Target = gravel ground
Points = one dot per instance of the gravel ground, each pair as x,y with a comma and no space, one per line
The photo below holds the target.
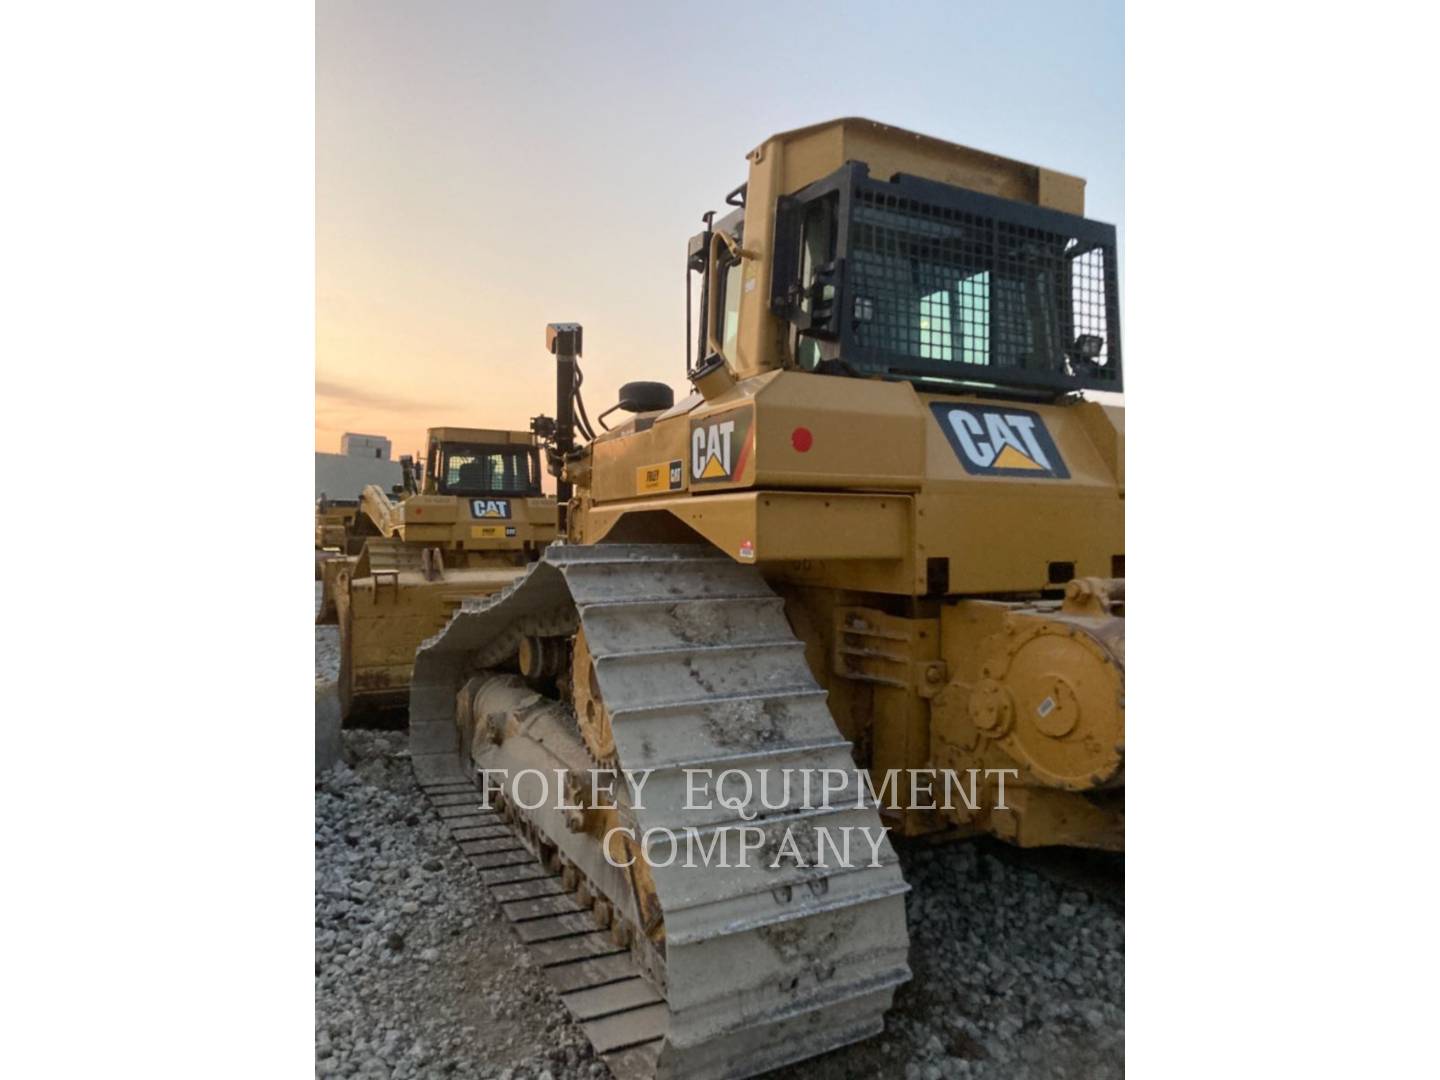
417,974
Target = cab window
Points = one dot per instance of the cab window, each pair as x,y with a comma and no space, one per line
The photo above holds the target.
489,470
730,310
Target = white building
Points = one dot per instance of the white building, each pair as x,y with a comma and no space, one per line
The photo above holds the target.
363,459
366,446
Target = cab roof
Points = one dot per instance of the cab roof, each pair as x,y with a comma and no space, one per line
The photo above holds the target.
480,435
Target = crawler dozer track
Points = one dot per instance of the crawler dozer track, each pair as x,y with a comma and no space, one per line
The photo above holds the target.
742,968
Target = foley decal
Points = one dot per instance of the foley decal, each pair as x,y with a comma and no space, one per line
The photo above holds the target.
664,476
490,508
991,440
720,446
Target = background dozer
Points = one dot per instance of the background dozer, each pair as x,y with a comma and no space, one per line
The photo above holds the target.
886,530
334,523
334,518
470,519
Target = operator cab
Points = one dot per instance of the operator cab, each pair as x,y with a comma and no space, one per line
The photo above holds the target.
480,467
901,276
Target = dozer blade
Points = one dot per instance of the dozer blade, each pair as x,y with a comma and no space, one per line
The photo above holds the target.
759,964
386,614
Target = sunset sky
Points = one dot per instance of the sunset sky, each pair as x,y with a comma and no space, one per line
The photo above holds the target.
485,168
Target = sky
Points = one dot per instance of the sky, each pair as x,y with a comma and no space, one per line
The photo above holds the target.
485,168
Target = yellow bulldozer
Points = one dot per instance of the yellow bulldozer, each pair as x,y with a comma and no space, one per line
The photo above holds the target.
334,524
882,539
334,518
469,520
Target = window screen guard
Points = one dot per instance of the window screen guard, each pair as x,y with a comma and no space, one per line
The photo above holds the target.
915,278
472,469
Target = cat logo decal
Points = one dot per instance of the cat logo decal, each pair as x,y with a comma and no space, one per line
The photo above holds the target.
991,440
720,446
490,508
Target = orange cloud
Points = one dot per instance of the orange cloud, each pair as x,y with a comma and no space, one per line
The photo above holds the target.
340,395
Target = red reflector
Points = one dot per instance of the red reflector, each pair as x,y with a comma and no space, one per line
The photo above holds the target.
801,439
